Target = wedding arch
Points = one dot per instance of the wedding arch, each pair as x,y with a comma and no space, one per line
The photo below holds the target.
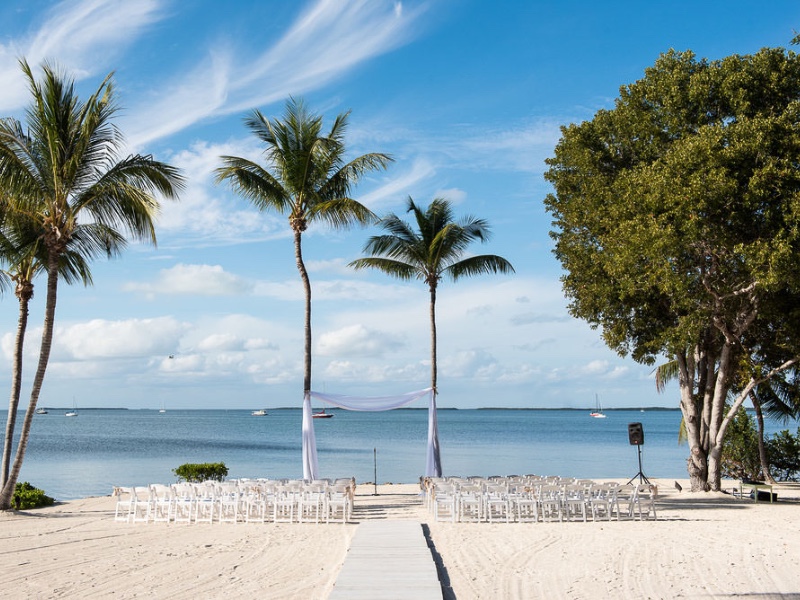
433,463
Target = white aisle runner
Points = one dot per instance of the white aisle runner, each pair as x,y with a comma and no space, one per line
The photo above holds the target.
388,560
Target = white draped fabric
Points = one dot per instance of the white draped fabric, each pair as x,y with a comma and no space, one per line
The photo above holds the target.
310,466
433,466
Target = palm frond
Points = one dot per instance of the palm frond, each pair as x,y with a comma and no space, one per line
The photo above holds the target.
665,373
395,268
478,265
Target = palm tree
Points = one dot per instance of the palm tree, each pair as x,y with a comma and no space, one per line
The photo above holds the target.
433,252
305,176
64,171
22,249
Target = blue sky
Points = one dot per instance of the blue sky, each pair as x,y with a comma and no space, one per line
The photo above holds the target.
467,96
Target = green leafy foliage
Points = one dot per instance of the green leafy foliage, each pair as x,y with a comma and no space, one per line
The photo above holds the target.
677,223
740,449
784,454
26,497
198,472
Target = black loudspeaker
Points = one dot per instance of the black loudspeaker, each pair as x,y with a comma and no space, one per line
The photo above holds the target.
636,434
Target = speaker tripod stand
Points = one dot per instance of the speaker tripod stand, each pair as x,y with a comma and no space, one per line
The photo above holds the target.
642,477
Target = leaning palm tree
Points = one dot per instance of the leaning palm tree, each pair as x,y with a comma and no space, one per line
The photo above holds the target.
306,177
22,250
433,252
66,170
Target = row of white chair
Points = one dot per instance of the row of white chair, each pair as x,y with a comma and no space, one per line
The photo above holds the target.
251,500
532,499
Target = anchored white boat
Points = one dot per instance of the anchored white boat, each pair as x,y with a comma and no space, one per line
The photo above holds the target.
597,413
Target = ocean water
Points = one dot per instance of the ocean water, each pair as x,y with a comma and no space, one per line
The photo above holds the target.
87,455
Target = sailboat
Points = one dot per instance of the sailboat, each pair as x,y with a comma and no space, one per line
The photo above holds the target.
597,413
321,415
73,412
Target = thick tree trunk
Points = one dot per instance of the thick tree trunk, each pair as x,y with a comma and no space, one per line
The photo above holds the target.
762,449
24,293
697,465
301,267
718,422
44,356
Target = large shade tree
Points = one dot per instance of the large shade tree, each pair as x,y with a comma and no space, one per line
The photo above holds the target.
433,250
676,220
305,176
62,171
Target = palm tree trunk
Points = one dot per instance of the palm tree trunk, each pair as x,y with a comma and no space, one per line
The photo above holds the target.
298,254
16,378
433,419
44,356
762,450
433,339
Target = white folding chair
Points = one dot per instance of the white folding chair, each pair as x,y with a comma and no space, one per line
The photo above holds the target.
498,505
205,502
227,501
126,500
445,502
286,501
160,503
574,502
550,502
338,503
642,502
184,498
141,506
523,501
470,503
312,503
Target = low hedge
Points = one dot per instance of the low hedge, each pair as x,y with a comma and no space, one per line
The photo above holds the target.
198,472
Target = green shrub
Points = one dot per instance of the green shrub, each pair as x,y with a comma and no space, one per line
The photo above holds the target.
196,473
740,448
783,450
26,496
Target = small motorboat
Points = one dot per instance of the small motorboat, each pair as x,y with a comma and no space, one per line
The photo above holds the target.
41,411
322,415
259,413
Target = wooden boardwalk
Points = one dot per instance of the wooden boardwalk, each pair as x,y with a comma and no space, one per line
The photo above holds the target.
388,560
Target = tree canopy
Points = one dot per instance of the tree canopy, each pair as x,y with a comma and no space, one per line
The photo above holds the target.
676,219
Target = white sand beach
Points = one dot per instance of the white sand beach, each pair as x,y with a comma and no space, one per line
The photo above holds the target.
701,546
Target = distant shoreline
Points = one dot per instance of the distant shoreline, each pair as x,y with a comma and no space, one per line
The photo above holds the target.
634,409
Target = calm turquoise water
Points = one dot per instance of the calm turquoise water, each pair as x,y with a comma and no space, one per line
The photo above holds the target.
84,456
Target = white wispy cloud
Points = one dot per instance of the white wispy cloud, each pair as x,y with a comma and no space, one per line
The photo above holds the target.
83,37
327,39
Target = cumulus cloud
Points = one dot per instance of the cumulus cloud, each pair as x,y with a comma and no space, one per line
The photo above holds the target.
358,340
197,280
209,214
103,339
